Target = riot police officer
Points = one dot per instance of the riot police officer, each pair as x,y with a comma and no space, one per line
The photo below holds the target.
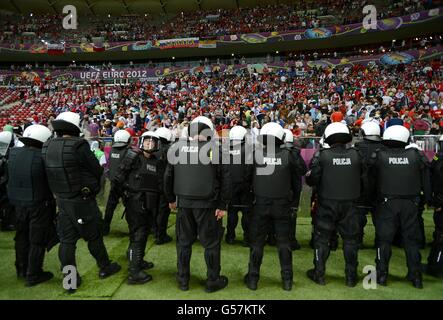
289,143
336,209
370,132
333,241
6,209
162,215
200,182
141,181
435,258
274,177
240,189
118,152
74,177
29,192
400,175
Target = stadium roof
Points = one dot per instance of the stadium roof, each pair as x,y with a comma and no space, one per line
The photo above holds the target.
119,7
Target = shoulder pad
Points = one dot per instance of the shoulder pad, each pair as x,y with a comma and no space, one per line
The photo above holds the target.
78,142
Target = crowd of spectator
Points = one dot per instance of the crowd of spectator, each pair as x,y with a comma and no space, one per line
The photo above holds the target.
410,94
201,23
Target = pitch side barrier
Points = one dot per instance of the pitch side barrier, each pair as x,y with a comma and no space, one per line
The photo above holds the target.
307,145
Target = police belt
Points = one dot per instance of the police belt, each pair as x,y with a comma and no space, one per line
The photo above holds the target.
409,197
238,206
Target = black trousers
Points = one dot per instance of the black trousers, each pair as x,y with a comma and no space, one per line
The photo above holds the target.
391,215
113,200
435,258
7,214
35,229
161,218
293,225
342,216
266,215
232,221
140,220
201,222
80,218
363,211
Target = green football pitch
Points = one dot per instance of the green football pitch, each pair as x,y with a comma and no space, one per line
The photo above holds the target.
234,265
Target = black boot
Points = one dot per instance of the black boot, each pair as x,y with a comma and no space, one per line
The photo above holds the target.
287,279
183,267
351,279
21,270
316,277
146,265
350,252
255,261
382,262
216,285
251,281
183,285
35,274
136,274
382,278
162,239
321,254
416,279
109,270
38,278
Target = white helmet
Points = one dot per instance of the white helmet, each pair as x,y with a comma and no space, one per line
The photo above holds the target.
150,135
35,133
121,138
289,136
95,145
5,142
396,133
164,133
272,129
371,130
237,133
337,132
323,144
5,137
67,122
199,124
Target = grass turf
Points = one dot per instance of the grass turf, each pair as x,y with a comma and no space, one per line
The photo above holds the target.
234,265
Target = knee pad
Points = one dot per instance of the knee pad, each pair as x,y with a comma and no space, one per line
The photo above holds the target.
139,235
